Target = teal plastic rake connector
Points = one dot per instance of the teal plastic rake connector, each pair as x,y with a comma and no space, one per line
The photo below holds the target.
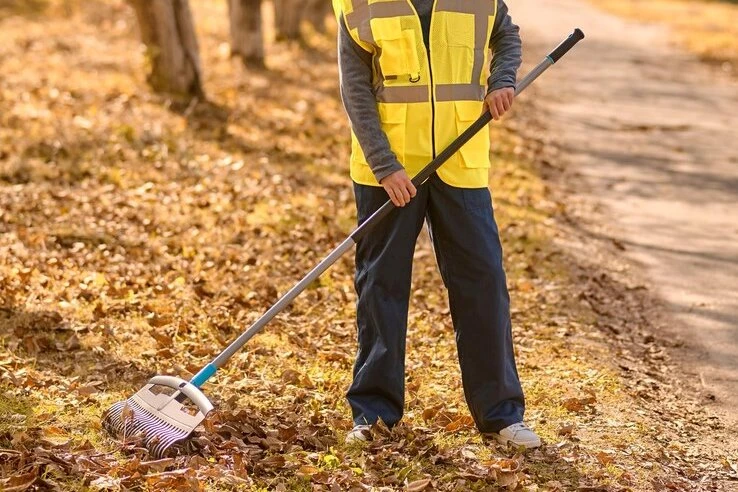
204,374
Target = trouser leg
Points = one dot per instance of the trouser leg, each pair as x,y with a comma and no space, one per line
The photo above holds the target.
469,254
383,274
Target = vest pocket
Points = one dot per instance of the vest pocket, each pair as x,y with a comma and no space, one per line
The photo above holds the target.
398,58
475,153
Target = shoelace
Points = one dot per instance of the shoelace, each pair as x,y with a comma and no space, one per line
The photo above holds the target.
515,428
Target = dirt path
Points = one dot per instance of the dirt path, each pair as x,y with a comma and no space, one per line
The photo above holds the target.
651,133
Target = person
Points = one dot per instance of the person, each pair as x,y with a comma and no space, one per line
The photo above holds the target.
412,79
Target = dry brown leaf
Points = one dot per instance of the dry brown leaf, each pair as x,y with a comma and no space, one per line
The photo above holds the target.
468,454
290,376
507,479
430,413
162,338
463,422
335,356
274,461
106,483
566,430
577,405
87,390
307,470
604,458
20,483
158,465
506,465
418,485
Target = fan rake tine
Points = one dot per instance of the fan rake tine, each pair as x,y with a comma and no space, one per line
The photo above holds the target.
160,419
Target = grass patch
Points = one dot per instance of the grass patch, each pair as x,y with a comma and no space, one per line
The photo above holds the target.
16,413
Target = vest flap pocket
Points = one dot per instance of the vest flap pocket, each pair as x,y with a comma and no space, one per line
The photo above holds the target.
399,55
392,113
475,153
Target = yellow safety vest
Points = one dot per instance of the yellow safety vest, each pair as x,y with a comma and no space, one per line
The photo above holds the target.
424,102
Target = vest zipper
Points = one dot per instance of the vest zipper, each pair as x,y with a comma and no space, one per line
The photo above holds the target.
433,100
430,73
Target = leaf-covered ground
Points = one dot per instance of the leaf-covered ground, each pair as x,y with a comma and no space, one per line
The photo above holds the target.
138,235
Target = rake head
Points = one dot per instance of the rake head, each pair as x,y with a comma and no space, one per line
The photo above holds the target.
162,413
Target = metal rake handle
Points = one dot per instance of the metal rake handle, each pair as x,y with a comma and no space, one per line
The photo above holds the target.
210,369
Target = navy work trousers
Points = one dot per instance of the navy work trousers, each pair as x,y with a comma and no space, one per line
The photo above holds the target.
467,247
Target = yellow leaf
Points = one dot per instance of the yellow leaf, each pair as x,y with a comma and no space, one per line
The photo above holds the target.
308,470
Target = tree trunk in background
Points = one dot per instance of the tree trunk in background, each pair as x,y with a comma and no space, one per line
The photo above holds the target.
247,38
168,32
316,11
287,17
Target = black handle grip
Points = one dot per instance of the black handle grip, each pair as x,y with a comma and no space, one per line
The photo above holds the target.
566,45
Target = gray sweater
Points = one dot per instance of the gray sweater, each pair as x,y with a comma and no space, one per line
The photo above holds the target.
355,66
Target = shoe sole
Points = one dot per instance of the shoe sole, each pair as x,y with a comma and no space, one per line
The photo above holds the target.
506,441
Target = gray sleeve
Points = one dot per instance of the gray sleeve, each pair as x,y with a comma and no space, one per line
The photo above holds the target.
355,69
507,50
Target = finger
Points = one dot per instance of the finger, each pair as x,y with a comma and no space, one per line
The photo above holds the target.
510,99
405,194
392,196
411,188
400,197
506,102
500,106
493,109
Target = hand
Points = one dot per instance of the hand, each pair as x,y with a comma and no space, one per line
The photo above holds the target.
399,188
499,101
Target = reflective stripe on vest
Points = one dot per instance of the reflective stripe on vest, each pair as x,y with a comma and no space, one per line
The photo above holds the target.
460,32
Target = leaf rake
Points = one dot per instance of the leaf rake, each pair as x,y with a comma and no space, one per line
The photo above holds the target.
168,409
163,413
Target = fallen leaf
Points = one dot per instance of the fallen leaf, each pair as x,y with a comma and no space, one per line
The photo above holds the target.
20,483
429,413
162,338
507,479
460,423
566,430
274,461
87,390
418,485
307,470
578,404
105,483
604,458
468,454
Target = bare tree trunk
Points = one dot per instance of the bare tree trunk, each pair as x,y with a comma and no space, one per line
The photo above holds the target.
168,32
316,11
247,37
287,17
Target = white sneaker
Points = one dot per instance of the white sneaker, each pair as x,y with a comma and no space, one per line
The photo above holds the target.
519,434
359,434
